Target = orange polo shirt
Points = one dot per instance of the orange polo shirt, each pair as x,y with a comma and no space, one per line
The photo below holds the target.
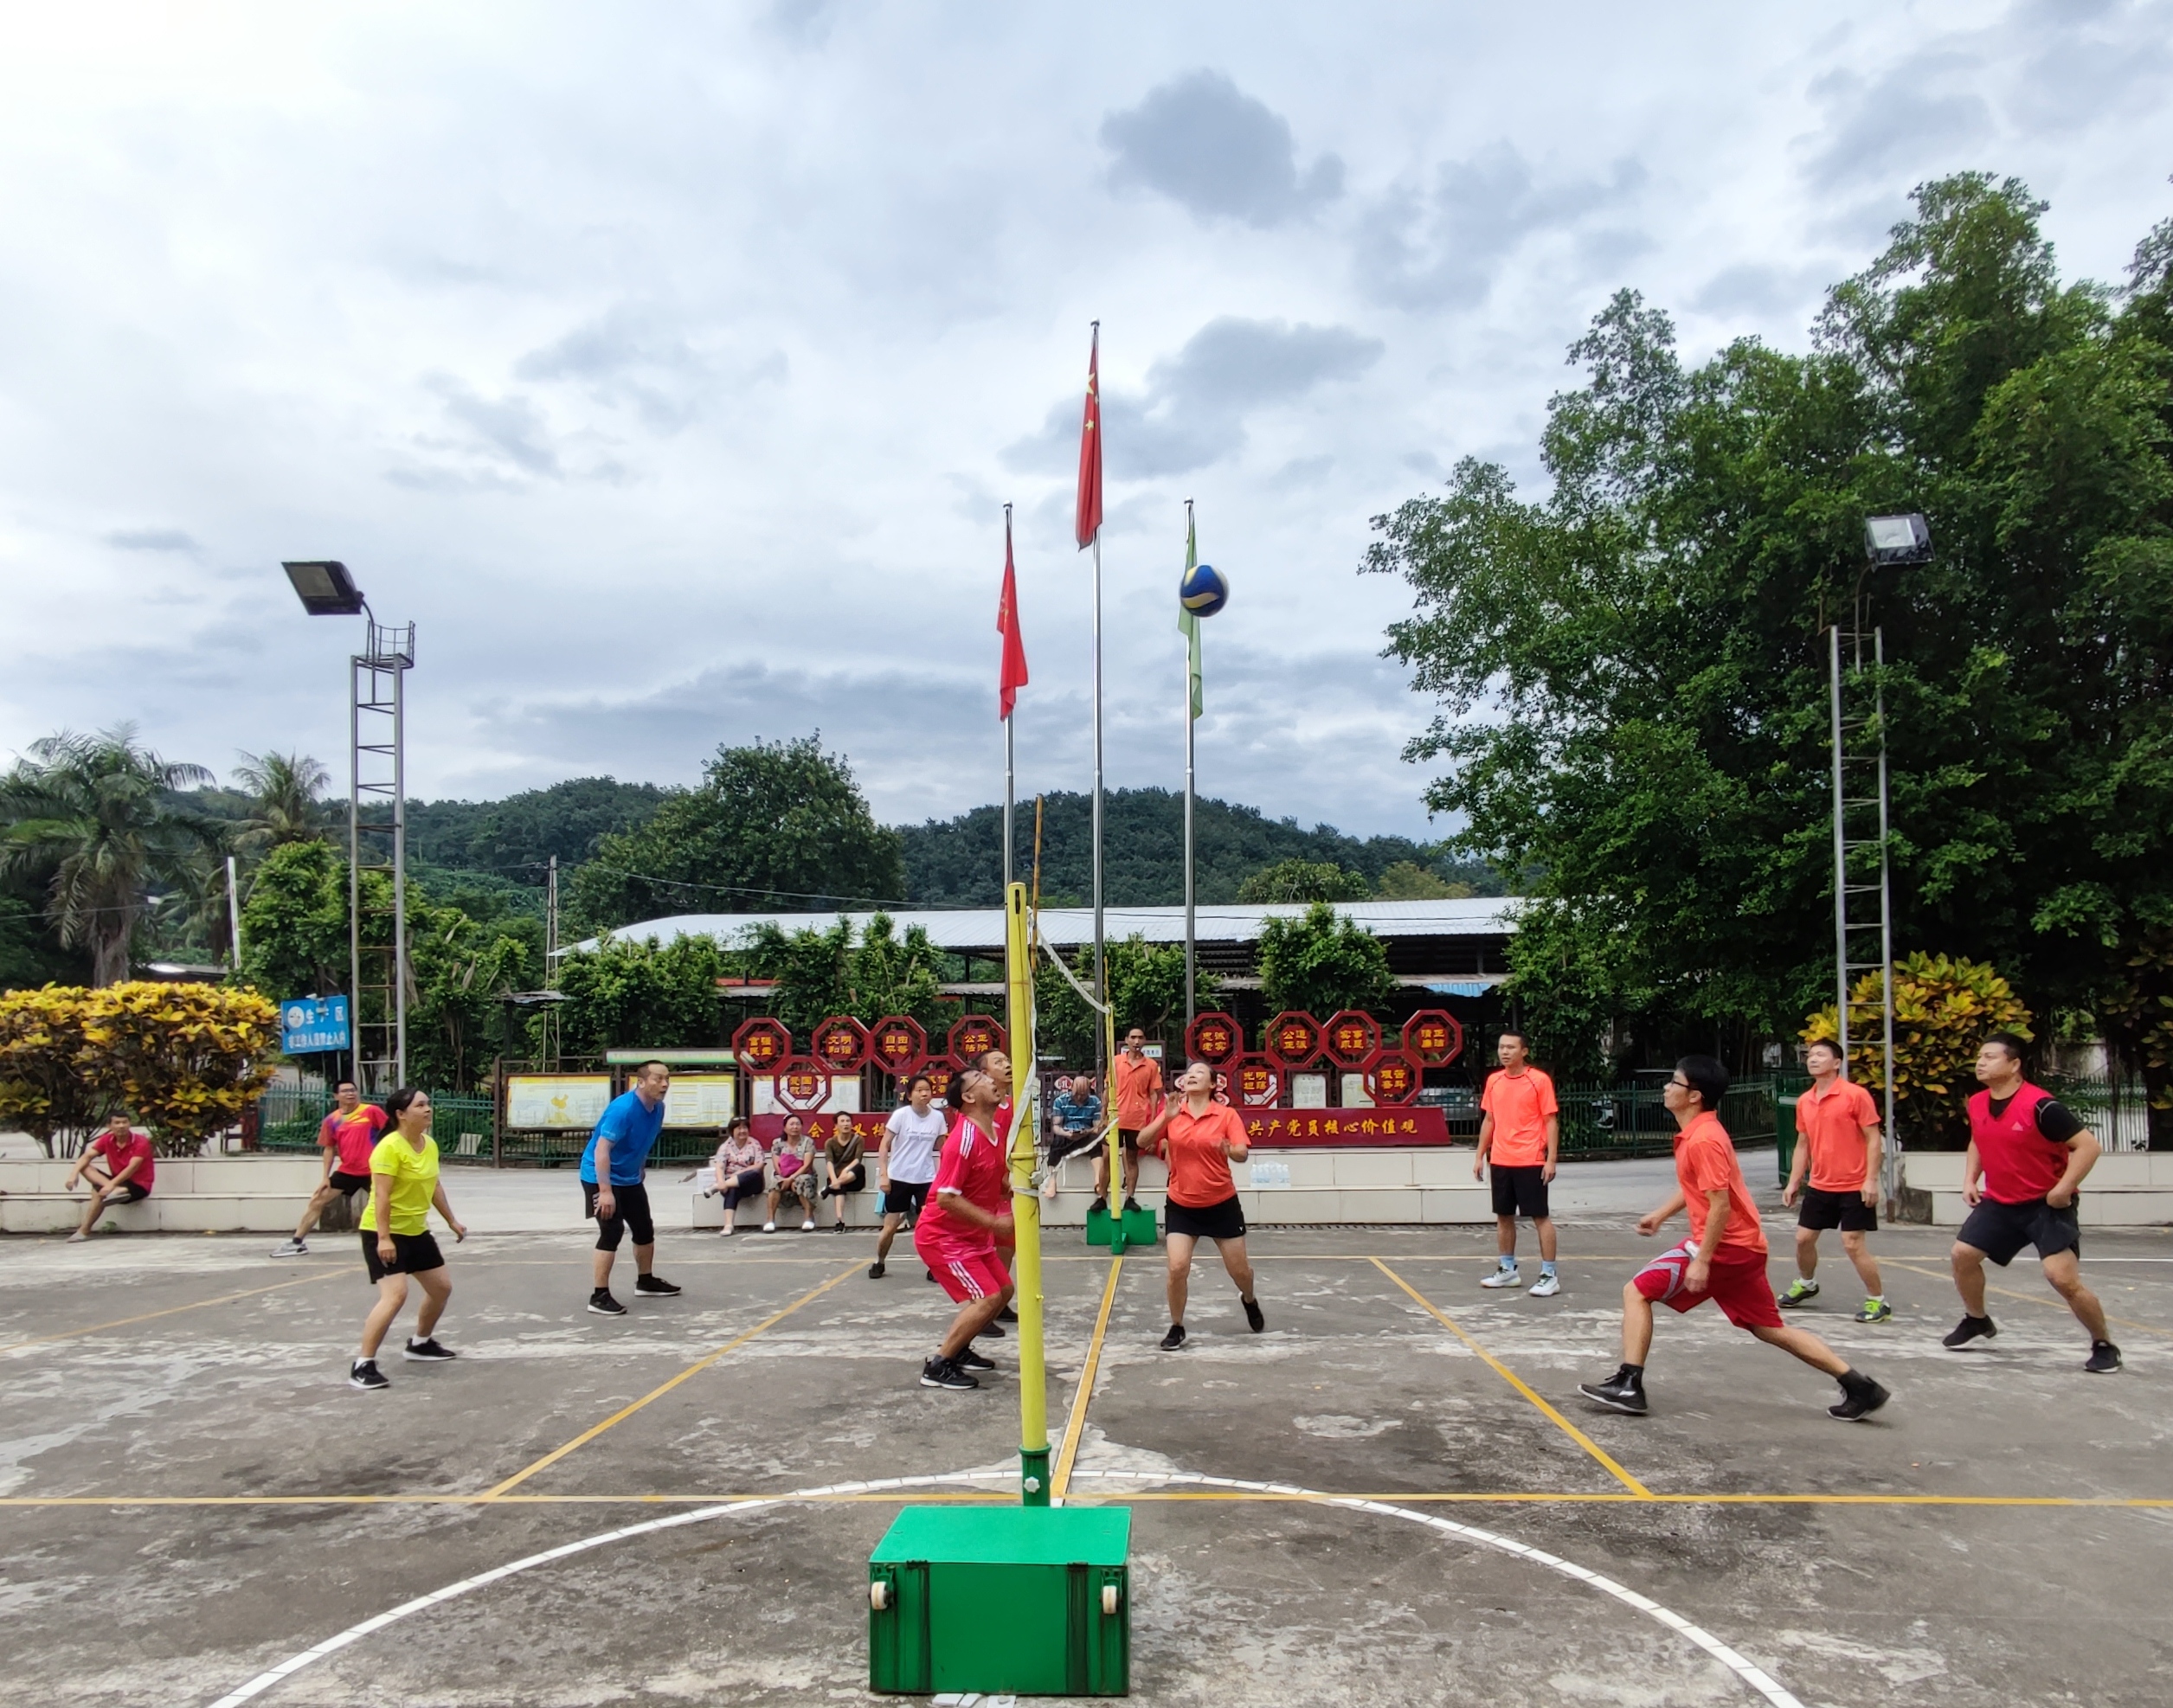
1138,1086
1832,1126
1520,1105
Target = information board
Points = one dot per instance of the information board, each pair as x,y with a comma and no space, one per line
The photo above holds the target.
536,1101
314,1025
700,1100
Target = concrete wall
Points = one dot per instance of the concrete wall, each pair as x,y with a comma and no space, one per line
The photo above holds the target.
2127,1189
247,1194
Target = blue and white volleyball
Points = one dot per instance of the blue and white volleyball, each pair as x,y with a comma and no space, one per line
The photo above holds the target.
1203,592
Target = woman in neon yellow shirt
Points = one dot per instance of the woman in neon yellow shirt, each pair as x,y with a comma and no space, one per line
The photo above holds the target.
396,1239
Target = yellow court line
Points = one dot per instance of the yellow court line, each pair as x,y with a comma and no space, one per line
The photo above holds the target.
171,1310
2027,1298
1075,1426
691,1372
1518,1383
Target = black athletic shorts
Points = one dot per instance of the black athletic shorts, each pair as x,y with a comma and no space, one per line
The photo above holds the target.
1845,1211
412,1255
1223,1221
1520,1189
132,1193
852,1180
1999,1230
906,1198
632,1203
340,1181
1129,1137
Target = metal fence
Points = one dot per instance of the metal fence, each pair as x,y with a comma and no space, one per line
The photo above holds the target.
289,1115
1623,1119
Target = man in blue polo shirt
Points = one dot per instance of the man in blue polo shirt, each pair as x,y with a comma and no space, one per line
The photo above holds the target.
612,1190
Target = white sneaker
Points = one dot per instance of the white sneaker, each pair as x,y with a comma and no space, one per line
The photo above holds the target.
808,1226
728,1230
769,1227
76,1239
1503,1278
292,1249
1547,1286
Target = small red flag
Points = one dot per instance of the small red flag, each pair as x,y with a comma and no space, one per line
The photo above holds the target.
1090,516
1013,675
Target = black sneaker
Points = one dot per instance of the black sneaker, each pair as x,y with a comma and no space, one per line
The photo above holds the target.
1254,1319
654,1286
364,1374
930,1273
940,1372
428,1352
2105,1359
1101,1205
604,1305
1860,1397
875,1270
1620,1392
995,1332
1969,1329
1175,1338
1131,1206
1006,1315
969,1359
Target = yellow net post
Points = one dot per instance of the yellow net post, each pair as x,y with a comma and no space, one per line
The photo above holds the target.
1025,1204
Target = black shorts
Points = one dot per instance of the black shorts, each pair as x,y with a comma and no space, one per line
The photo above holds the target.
412,1255
1129,1137
1520,1189
340,1181
132,1193
852,1180
1845,1211
1999,1230
906,1198
1223,1221
632,1206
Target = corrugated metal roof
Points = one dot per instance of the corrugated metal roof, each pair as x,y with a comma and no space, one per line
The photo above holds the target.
982,928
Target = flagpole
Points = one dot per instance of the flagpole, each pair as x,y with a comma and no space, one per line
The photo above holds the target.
1101,969
1191,944
1010,747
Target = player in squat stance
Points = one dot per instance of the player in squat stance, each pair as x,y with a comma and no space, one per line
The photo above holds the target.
1723,1260
612,1191
2032,1154
1838,1145
1199,1139
968,1218
347,1136
1521,1134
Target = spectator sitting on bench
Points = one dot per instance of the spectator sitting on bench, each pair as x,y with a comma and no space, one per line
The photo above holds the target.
736,1169
793,1159
119,1166
847,1171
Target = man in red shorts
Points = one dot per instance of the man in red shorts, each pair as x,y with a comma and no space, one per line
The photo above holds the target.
968,1218
1723,1260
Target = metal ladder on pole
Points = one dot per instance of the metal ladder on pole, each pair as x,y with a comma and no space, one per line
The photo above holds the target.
1863,893
377,845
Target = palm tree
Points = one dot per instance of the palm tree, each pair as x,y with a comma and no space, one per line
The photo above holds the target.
92,817
284,789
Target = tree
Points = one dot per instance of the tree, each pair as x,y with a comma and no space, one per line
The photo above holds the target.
45,1087
1408,881
185,1059
1147,989
283,801
1647,640
1321,962
633,995
515,838
89,815
462,970
1307,881
294,940
774,827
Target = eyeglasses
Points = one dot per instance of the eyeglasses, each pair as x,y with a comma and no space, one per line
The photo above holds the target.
1680,1083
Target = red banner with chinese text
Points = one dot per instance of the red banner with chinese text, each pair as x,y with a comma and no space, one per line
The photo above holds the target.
1300,1129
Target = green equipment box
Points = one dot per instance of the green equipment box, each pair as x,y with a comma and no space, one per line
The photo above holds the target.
1135,1227
1033,1601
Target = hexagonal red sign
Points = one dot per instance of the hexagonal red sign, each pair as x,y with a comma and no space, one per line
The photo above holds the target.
897,1045
1257,1081
974,1034
1352,1038
842,1043
1214,1039
1433,1037
1292,1039
803,1083
1392,1079
939,1075
762,1044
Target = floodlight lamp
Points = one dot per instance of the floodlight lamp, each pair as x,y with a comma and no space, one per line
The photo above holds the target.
1898,539
325,588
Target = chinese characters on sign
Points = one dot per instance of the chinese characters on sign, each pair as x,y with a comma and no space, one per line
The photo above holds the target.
1214,1039
760,1044
312,1025
899,1045
975,1033
842,1043
1353,1038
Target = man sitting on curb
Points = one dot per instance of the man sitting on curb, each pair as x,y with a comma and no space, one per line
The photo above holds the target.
119,1166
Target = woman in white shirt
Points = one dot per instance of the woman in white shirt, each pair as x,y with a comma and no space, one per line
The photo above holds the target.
905,1162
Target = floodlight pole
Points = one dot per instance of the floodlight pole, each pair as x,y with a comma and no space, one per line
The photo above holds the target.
377,807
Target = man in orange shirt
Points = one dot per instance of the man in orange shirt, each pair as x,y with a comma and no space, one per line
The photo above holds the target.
1521,1132
1838,1144
1723,1260
1136,1087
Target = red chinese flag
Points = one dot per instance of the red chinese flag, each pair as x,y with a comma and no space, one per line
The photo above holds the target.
1013,676
1090,516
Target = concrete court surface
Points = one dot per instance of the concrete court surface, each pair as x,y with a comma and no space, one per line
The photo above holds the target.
1829,1563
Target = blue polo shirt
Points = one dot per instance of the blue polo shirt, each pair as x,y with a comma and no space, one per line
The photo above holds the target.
631,1127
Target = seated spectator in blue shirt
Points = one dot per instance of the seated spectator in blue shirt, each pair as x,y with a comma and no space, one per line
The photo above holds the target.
1079,1115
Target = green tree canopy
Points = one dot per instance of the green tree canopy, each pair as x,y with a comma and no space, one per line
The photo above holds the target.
776,825
284,805
641,995
1645,641
1322,962
1147,989
1307,881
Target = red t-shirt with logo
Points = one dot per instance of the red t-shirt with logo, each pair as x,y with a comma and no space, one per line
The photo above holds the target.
1832,1126
1706,1162
354,1135
975,1168
120,1152
1520,1104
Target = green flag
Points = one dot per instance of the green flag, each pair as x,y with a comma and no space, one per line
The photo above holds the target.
1188,624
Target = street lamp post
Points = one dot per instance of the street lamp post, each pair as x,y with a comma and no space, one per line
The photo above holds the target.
376,816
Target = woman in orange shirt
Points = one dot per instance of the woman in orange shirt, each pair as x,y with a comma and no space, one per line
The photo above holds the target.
1199,1139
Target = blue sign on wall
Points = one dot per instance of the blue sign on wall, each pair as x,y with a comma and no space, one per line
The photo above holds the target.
310,1025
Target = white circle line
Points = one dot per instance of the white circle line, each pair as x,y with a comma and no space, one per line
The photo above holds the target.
1754,1676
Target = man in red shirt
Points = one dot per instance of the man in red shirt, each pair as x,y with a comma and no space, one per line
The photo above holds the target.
2028,1158
1838,1145
1200,1137
1135,1087
1723,1260
120,1167
1520,1133
968,1218
346,1136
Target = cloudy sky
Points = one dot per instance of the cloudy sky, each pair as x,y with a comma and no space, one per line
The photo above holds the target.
669,365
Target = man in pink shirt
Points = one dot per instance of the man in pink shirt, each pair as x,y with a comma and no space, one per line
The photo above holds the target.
120,1167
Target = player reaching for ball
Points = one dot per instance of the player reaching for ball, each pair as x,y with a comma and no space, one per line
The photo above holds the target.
1199,1139
968,1218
